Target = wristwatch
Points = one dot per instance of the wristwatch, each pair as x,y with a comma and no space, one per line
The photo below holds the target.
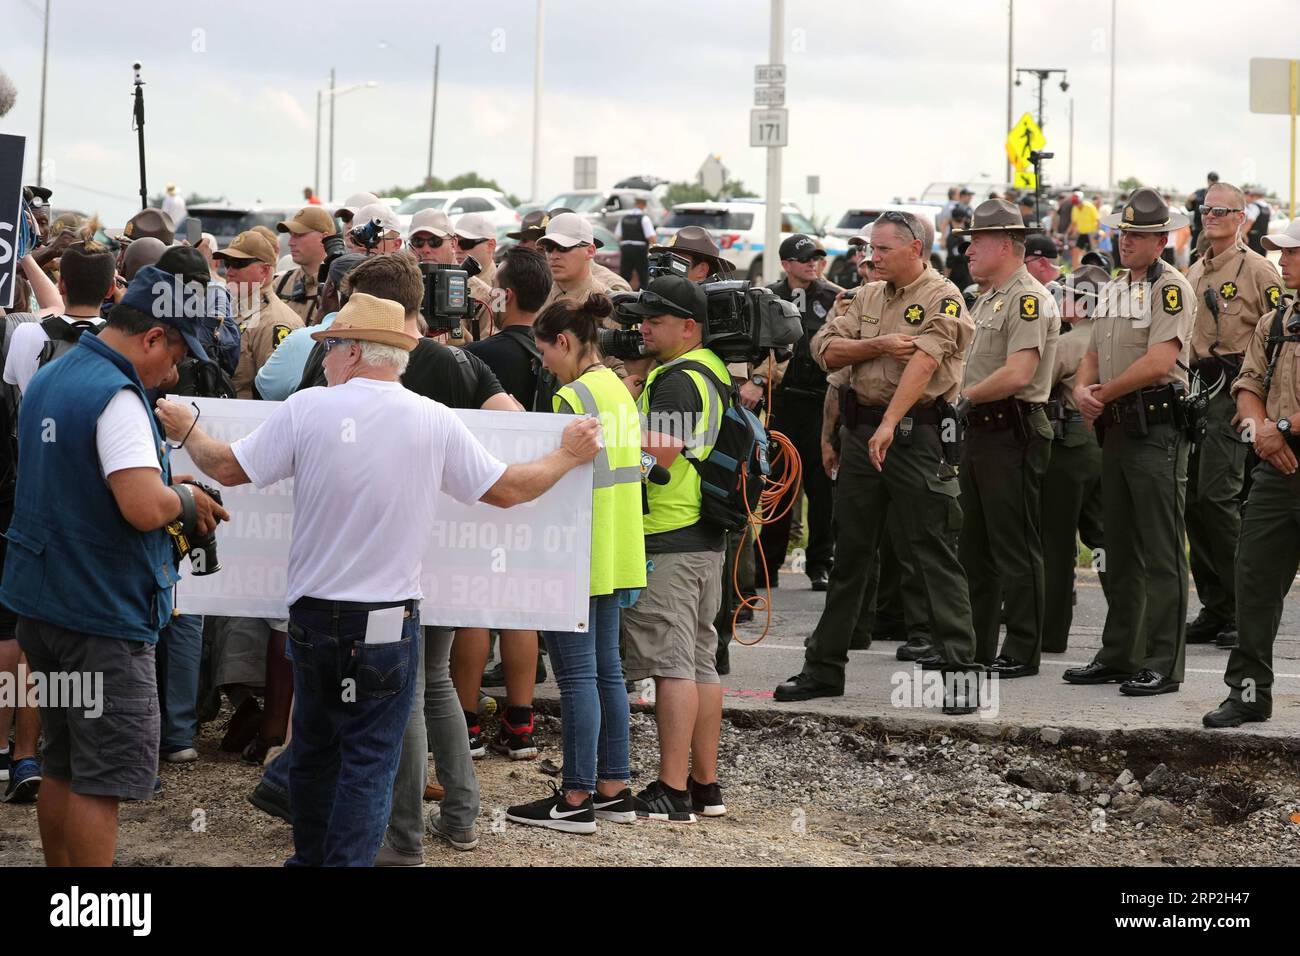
759,380
1284,426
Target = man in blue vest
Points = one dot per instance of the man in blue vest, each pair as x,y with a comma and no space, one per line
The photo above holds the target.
90,569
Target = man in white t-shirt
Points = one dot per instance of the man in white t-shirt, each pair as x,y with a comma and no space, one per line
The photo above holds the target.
86,275
355,558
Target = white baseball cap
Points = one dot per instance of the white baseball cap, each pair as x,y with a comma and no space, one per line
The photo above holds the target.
863,238
475,225
1284,240
568,229
357,200
433,221
384,213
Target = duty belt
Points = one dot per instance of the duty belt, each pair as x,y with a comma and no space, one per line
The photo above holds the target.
1006,413
1155,404
869,417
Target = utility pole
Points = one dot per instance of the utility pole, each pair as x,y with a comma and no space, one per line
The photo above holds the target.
772,234
433,119
1070,169
315,182
45,59
1011,16
537,95
331,190
1110,166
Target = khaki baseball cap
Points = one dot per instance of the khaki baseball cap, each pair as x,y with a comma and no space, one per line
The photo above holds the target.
475,225
1284,240
568,229
433,221
308,219
250,245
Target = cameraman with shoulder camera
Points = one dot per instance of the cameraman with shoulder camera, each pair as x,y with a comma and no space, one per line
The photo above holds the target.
669,631
90,574
797,411
299,288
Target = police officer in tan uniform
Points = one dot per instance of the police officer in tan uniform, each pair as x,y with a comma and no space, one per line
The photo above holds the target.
1129,384
612,281
1072,486
298,288
1268,551
1008,441
264,321
904,338
1234,286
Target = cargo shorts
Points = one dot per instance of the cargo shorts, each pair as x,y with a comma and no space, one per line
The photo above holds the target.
669,631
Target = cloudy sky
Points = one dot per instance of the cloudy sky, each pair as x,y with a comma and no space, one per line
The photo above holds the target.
885,96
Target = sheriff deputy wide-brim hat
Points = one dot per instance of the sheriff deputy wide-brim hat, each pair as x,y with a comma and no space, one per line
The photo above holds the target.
1086,281
367,318
996,215
696,241
532,227
308,219
1146,211
1284,240
149,222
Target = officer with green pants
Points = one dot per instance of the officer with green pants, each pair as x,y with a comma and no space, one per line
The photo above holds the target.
1129,385
1008,441
1072,485
1268,552
905,338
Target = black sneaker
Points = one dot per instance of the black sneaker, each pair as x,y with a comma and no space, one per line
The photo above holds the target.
24,781
477,742
617,809
555,813
706,798
656,803
515,742
271,801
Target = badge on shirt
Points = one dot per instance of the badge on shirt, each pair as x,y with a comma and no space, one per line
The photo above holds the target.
1274,294
914,314
281,333
1228,290
1029,307
1173,299
950,307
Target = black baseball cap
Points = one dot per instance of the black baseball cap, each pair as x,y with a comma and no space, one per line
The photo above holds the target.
1094,258
1041,245
666,295
800,248
186,262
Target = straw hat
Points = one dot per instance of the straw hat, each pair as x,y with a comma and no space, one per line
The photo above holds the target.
367,318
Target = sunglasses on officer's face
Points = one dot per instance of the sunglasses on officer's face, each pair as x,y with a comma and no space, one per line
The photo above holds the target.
549,247
433,242
467,244
1218,211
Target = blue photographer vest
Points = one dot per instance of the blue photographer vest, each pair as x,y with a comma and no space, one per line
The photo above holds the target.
73,560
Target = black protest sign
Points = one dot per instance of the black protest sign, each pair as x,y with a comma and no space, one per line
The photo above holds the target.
11,210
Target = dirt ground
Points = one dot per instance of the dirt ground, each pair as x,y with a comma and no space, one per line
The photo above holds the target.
799,790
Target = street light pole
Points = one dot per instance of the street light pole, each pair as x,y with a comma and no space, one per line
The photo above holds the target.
1110,166
331,190
433,118
537,95
45,58
315,182
1011,15
772,234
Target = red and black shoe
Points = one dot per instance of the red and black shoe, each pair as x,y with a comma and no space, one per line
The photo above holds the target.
515,741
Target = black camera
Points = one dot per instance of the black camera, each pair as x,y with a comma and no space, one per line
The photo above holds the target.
625,344
745,322
202,551
667,263
446,295
368,235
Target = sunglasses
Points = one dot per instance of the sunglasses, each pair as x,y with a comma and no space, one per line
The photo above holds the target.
549,247
899,219
332,342
663,306
433,242
1218,211
466,245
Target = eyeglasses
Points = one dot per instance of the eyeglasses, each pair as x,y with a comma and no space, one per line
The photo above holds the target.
467,244
901,219
433,242
1218,212
332,342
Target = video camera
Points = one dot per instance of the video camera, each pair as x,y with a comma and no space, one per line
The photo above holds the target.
666,263
368,235
446,293
743,324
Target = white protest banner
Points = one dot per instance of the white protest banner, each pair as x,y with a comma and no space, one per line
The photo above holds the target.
524,567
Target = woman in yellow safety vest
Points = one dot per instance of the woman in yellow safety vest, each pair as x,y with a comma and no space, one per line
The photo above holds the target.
593,697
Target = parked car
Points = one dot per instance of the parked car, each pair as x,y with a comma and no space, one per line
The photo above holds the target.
606,207
456,202
855,218
607,255
227,220
739,230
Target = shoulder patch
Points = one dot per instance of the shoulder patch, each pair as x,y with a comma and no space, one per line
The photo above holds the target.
1274,295
1172,298
950,307
914,314
281,333
1029,307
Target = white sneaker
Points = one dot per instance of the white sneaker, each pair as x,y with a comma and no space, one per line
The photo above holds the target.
188,755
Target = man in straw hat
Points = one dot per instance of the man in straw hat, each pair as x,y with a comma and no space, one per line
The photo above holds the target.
355,558
1008,440
1072,486
1129,385
1268,551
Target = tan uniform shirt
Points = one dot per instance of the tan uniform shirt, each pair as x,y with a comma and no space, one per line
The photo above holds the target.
612,281
1247,285
261,329
1017,315
1131,317
578,291
1283,398
930,308
1070,349
287,282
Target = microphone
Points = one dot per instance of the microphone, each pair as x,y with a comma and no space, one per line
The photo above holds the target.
652,471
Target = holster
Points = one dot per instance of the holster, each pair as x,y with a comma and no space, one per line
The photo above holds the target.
1056,415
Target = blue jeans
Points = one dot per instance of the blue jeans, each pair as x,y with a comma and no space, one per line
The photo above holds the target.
180,647
351,704
593,699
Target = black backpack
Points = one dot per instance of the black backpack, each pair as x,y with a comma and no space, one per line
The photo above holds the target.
202,379
734,474
62,337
